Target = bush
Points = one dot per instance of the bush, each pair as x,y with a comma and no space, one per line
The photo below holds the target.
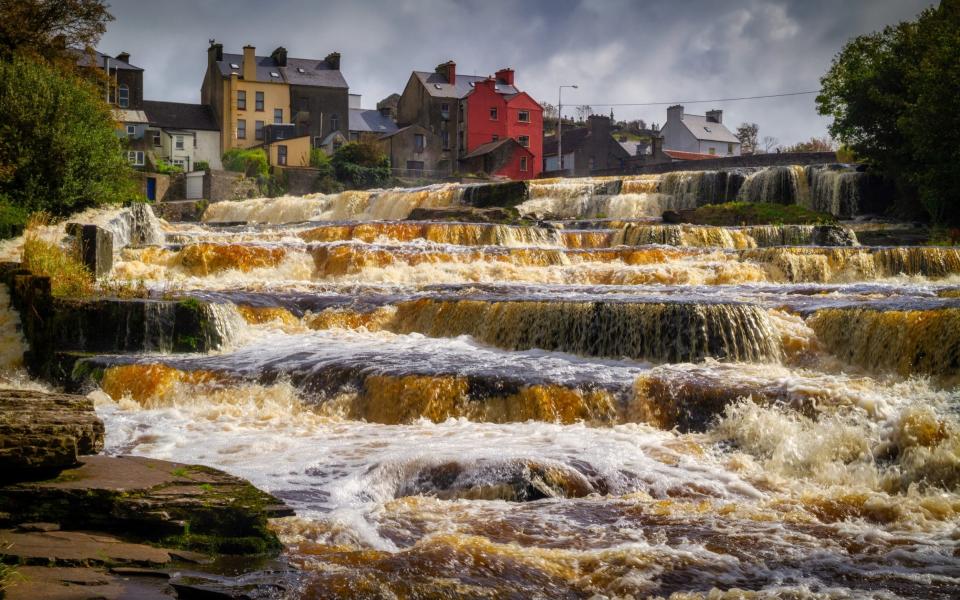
12,219
201,165
361,165
68,276
321,161
162,166
59,150
251,161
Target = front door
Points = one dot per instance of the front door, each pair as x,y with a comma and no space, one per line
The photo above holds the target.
151,188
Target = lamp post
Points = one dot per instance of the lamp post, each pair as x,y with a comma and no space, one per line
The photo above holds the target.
560,124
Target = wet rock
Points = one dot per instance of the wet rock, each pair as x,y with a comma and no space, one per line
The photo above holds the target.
183,506
834,235
75,549
79,583
45,432
676,217
510,193
463,213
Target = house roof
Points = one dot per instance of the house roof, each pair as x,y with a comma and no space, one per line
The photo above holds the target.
702,129
491,146
438,86
572,140
84,59
179,115
680,155
370,120
299,71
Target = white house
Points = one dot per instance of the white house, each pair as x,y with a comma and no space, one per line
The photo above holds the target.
698,134
182,134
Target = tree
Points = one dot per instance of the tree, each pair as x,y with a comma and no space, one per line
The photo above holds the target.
769,144
361,165
748,134
893,98
583,111
814,144
549,111
59,150
49,29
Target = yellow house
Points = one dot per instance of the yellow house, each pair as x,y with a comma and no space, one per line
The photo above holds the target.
286,149
248,93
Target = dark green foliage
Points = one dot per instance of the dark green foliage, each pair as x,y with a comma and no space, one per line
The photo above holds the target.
252,161
321,161
361,165
201,165
162,166
893,97
12,219
59,151
757,213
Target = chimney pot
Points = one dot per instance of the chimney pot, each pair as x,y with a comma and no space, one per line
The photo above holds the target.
333,60
124,57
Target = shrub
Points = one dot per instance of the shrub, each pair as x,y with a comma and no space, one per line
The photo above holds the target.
162,166
59,150
361,165
201,165
250,161
12,219
68,276
320,160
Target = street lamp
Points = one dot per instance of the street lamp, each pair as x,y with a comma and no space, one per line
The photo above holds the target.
560,124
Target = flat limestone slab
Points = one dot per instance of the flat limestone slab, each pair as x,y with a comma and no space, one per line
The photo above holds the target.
77,548
77,583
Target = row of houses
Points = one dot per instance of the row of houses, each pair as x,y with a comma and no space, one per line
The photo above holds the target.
442,123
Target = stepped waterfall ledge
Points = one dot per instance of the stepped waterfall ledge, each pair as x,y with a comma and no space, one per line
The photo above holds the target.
569,394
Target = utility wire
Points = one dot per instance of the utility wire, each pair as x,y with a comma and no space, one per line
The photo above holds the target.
696,101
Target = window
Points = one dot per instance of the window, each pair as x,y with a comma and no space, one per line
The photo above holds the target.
179,162
241,100
712,150
241,129
523,116
354,136
445,138
317,140
419,142
179,142
275,74
495,138
259,101
123,96
523,163
524,141
415,166
278,115
131,131
281,155
707,129
445,110
335,122
493,114
135,157
729,148
156,138
258,130
234,66
460,113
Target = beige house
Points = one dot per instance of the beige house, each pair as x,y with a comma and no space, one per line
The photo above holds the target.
182,134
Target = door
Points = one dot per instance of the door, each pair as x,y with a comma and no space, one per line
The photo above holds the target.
151,188
194,189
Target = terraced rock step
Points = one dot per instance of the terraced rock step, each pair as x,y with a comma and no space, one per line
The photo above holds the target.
45,432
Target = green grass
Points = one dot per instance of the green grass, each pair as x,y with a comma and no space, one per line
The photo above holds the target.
68,276
752,213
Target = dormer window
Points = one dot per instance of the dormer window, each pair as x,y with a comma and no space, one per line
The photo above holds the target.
235,66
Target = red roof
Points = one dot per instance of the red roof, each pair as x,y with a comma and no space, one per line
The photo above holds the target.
680,155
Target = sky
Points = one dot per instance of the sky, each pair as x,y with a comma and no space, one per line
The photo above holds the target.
616,51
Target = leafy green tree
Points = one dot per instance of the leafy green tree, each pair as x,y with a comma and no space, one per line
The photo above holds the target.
361,165
894,102
320,160
747,134
49,29
59,150
250,161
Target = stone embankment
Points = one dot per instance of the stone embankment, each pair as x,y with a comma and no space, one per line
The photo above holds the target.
79,525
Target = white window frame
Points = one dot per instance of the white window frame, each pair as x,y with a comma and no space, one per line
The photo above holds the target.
520,116
244,129
278,118
131,131
135,157
179,162
178,142
521,138
123,96
157,140
523,164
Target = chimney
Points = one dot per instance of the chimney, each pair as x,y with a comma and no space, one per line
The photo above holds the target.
279,56
215,51
599,125
715,116
249,63
448,70
675,112
656,146
333,59
505,75
124,57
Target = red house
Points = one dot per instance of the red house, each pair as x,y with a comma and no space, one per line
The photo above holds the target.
483,111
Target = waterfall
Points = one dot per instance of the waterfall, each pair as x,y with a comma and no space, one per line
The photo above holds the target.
230,327
135,226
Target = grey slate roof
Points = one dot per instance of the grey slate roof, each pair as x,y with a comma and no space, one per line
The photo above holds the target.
178,115
84,60
370,120
438,87
491,146
708,130
573,139
316,72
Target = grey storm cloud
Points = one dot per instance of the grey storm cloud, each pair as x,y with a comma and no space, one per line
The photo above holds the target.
617,51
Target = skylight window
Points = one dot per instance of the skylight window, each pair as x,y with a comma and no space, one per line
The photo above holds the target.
300,70
274,74
234,66
707,129
437,85
472,84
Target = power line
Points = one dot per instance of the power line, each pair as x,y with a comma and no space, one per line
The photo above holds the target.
698,101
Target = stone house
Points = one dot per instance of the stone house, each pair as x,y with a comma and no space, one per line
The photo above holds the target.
698,134
182,134
414,151
586,149
369,125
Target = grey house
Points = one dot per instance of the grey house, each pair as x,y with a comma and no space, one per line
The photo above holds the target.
698,134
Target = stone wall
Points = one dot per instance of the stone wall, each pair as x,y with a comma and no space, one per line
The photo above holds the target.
189,211
300,180
227,185
731,162
169,187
